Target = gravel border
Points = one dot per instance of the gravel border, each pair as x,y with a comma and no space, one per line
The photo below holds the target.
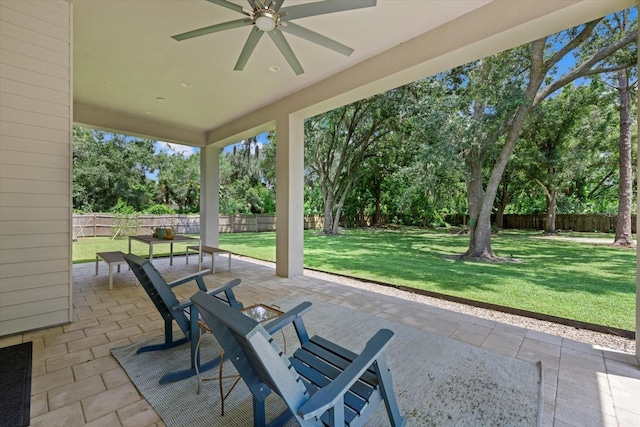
597,339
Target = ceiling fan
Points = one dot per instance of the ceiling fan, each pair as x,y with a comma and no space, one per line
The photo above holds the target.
268,16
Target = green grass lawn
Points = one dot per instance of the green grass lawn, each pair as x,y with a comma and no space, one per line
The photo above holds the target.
590,283
84,250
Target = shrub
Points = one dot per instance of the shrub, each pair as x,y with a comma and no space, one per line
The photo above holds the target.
124,225
160,209
123,208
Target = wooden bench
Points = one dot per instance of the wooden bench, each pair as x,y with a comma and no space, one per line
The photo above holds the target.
201,250
111,259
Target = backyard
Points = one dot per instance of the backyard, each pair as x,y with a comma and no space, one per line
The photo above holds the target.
579,278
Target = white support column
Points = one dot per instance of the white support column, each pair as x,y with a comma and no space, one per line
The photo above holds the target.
210,196
289,196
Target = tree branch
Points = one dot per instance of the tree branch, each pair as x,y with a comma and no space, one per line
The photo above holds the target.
599,185
544,187
608,70
585,66
573,43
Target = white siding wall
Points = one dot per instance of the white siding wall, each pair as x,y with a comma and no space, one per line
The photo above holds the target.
35,164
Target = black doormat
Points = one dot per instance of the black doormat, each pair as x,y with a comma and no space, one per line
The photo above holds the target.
15,385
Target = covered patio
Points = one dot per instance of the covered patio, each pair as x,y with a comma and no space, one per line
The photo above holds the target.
113,66
78,382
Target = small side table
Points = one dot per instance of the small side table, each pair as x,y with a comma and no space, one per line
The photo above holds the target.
111,259
201,250
258,312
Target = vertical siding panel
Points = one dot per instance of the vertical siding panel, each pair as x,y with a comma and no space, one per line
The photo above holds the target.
35,183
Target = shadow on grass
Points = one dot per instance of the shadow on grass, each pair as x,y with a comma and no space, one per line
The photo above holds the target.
579,281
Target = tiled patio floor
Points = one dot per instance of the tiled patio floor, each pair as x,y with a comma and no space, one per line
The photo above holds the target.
77,382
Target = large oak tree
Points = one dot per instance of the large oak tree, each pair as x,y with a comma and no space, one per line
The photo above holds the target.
539,79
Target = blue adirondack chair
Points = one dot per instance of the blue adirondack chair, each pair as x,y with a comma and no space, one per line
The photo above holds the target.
184,314
321,384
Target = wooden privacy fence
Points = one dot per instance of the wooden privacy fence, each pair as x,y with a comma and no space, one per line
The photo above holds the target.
101,224
588,222
109,225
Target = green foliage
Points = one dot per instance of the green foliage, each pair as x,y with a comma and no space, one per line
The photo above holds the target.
112,170
179,181
108,168
340,141
160,209
123,208
312,198
247,178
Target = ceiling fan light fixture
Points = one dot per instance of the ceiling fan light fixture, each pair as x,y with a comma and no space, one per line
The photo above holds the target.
266,20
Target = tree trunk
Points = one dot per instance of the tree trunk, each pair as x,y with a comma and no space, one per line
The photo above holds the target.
502,206
378,214
336,219
481,238
625,200
550,217
474,199
328,215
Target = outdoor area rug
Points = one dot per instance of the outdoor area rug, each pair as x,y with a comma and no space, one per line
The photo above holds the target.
438,381
15,385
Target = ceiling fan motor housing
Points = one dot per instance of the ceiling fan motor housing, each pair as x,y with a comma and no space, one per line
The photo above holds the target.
266,19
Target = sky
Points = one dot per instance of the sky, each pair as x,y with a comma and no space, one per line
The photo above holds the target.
185,150
172,148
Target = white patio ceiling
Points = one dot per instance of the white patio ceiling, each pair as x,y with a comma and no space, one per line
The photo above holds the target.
125,59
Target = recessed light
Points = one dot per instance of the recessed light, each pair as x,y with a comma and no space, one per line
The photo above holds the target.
160,99
274,68
185,84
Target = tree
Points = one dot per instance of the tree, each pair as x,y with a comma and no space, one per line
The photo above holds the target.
623,224
243,187
561,139
540,80
339,141
179,181
618,24
372,190
515,185
111,167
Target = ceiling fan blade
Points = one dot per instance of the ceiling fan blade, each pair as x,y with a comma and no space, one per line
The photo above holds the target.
213,29
285,49
229,5
316,38
248,48
322,7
